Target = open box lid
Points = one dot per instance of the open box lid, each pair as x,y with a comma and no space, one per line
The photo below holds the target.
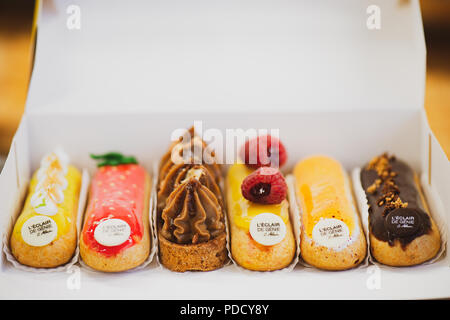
205,55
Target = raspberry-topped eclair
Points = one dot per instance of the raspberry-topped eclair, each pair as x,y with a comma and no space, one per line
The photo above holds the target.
262,237
116,234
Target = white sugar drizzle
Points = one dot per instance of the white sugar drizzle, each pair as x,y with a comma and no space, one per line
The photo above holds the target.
51,183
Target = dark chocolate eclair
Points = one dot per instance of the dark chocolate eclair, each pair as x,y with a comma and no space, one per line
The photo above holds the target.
397,211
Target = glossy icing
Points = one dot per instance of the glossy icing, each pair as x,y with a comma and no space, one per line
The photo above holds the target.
321,188
392,192
64,214
117,192
243,210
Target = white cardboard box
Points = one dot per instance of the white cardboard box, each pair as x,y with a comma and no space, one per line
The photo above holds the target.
136,71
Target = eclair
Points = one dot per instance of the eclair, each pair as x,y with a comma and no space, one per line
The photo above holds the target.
262,237
331,234
261,233
45,233
401,229
190,209
116,231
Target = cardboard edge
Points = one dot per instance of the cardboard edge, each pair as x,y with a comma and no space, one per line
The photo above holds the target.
437,212
17,170
360,198
155,213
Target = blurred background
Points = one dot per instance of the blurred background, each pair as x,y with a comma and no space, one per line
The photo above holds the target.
16,52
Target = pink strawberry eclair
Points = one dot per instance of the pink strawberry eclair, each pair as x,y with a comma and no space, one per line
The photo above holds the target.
116,235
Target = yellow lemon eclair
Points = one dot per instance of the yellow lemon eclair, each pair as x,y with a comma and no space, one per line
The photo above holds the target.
248,252
331,233
45,233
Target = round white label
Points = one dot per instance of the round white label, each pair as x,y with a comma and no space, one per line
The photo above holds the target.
331,233
267,229
39,231
112,232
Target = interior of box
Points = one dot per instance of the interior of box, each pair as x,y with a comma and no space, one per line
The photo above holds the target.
215,56
357,137
352,137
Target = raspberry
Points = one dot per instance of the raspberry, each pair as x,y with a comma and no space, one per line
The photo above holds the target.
266,185
263,151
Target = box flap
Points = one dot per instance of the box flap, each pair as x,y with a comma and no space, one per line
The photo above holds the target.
208,55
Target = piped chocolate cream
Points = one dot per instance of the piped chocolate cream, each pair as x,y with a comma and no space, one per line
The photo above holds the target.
190,149
396,208
192,214
190,202
181,173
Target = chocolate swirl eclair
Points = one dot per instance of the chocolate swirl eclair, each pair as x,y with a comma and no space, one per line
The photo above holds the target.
401,230
193,213
190,210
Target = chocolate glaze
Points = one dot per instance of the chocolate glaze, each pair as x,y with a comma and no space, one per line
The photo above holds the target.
396,211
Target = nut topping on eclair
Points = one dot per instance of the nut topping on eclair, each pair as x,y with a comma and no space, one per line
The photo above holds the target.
397,212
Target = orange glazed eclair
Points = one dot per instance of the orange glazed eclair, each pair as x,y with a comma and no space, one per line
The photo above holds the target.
331,237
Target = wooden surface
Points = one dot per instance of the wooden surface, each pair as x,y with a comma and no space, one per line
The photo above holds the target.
15,64
16,53
436,17
437,105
